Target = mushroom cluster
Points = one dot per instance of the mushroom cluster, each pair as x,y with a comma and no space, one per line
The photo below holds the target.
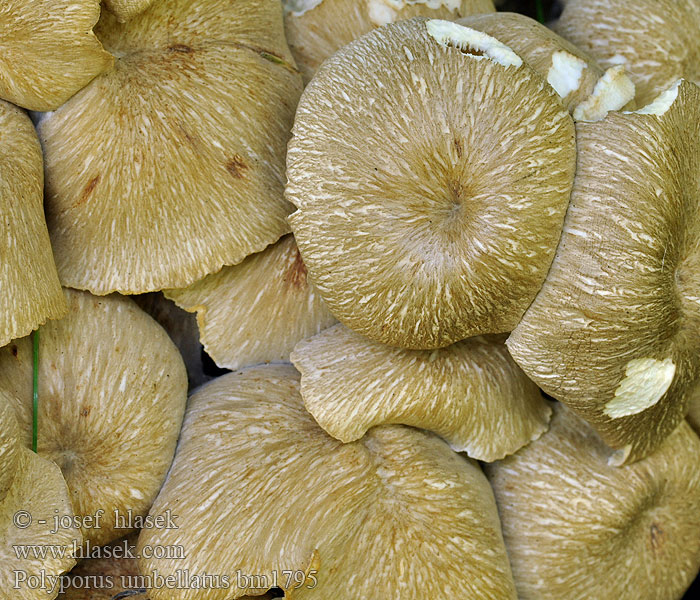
429,272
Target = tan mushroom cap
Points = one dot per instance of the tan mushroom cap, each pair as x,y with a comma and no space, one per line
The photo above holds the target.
49,51
9,446
572,73
316,29
614,331
31,292
396,511
471,393
128,9
112,397
38,493
430,194
256,311
172,165
577,528
182,329
655,40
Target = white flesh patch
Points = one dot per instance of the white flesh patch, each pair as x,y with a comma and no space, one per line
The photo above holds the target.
299,7
665,100
646,381
382,12
618,59
464,38
612,91
565,73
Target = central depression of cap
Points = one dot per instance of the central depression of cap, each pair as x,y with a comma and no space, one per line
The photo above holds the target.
431,169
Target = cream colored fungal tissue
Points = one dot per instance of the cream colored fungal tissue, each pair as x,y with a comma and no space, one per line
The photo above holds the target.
349,299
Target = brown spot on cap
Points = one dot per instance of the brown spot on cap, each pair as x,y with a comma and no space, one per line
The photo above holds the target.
188,136
86,411
178,127
236,166
88,189
458,192
459,147
296,274
657,537
184,49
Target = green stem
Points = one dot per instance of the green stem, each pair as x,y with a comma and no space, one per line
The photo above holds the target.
540,11
35,414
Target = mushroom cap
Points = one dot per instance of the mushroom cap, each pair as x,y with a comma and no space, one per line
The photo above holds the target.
471,393
611,31
570,71
395,511
38,496
316,29
112,397
31,292
9,446
412,236
578,528
171,165
49,51
614,331
127,9
258,310
182,329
